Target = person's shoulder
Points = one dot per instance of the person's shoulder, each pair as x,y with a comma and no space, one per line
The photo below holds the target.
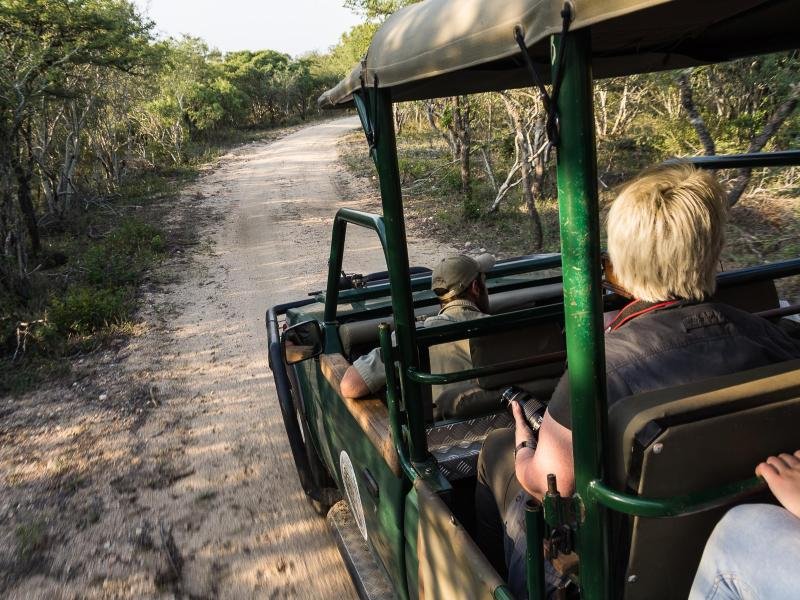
435,320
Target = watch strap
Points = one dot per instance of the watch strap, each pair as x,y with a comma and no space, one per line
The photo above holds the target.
526,444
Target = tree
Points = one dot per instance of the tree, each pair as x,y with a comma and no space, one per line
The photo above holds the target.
452,118
350,50
46,47
377,9
745,103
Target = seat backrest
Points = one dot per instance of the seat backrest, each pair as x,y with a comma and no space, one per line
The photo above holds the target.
684,440
752,296
520,344
358,337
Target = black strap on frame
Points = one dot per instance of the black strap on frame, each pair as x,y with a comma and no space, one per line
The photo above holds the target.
370,130
549,101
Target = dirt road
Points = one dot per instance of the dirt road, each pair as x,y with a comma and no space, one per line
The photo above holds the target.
192,492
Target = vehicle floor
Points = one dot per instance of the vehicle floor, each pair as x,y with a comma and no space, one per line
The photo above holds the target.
161,468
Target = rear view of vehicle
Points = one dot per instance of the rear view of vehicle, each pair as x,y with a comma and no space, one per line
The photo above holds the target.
395,475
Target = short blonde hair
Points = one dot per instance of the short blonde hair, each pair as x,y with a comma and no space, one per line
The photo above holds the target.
665,234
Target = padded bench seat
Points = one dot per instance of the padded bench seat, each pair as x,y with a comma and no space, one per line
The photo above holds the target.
688,439
359,337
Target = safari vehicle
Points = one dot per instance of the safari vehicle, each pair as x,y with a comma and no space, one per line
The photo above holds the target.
652,477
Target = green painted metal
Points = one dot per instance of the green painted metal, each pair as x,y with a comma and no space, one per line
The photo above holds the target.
363,114
488,325
383,513
397,263
675,506
580,252
393,400
423,282
503,593
445,378
534,533
340,221
776,270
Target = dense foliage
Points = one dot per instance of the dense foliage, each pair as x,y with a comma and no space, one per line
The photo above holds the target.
488,154
96,113
93,110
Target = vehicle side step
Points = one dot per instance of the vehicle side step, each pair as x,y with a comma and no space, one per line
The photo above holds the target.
370,581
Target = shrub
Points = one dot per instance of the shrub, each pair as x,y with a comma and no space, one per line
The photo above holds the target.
123,255
31,539
84,309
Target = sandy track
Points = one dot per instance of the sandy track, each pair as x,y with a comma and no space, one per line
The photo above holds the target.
278,202
173,445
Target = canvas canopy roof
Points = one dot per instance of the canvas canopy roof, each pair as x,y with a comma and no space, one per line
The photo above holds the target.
448,47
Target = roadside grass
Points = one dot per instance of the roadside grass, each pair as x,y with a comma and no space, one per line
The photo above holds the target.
84,292
762,227
31,539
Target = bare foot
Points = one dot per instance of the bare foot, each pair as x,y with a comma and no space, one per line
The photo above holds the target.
782,474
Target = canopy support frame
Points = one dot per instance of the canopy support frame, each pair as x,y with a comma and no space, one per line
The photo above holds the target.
580,254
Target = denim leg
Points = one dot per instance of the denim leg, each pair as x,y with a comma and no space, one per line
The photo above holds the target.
516,545
753,553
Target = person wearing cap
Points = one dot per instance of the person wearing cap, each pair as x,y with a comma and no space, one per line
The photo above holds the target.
460,284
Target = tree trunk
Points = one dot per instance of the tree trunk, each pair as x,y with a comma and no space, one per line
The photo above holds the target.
462,133
525,158
695,118
25,201
782,113
488,166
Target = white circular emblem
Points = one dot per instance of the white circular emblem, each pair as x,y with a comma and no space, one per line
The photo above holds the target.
351,491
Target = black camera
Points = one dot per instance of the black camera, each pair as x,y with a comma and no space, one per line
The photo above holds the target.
532,408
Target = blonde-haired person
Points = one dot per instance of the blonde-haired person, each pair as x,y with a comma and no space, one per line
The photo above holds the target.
665,235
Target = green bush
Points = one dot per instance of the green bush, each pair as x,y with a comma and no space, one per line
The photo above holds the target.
84,309
123,255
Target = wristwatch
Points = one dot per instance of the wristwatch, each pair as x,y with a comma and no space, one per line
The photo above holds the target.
526,444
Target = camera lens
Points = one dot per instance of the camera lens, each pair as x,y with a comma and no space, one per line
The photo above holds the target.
532,408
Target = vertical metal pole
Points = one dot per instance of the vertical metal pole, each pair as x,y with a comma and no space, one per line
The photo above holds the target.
392,402
580,249
534,534
397,264
334,270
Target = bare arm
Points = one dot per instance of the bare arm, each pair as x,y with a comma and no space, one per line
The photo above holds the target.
553,454
353,385
782,473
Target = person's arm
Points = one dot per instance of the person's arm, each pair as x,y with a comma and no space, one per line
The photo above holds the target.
553,454
353,385
365,377
782,474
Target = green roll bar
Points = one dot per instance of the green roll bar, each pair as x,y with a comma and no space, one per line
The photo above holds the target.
423,282
340,221
393,399
580,256
675,506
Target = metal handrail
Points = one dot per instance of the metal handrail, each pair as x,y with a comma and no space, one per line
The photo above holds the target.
392,401
674,506
423,282
340,221
431,336
446,378
785,158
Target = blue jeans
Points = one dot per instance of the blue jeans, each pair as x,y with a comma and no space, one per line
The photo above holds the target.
753,553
